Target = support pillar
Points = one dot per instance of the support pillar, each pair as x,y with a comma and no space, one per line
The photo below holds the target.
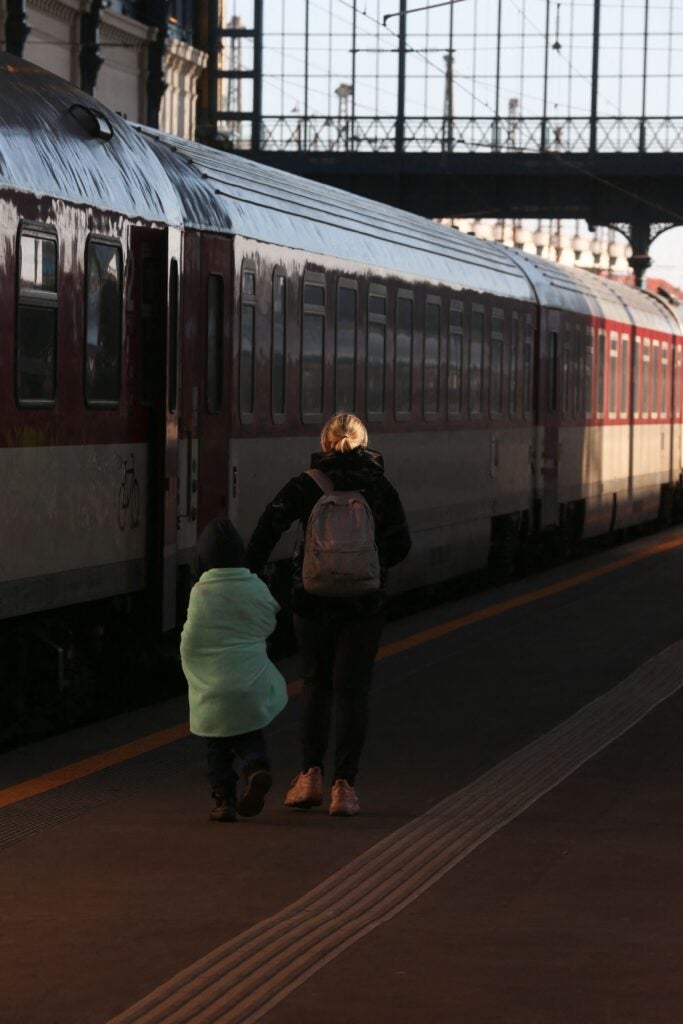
89,59
640,245
401,111
156,80
17,27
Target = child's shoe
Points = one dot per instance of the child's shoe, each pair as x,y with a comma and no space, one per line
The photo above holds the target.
253,796
306,789
344,800
225,804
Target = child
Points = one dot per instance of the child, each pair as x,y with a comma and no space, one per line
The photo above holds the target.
234,689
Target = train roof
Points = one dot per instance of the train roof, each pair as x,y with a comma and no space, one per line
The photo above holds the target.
57,141
581,291
228,193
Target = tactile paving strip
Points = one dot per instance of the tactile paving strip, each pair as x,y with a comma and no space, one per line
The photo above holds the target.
240,981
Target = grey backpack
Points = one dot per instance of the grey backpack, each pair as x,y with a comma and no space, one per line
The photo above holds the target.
340,553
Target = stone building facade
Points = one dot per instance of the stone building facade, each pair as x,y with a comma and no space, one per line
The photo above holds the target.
136,56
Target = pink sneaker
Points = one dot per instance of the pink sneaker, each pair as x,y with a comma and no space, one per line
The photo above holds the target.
344,800
306,789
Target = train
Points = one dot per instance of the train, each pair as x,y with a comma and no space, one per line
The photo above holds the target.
178,322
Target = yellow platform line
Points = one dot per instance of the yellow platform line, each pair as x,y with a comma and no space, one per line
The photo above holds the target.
89,765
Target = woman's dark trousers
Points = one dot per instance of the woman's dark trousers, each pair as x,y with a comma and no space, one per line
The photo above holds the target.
337,655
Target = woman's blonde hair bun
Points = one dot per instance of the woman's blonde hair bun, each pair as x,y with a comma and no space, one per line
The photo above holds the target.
343,432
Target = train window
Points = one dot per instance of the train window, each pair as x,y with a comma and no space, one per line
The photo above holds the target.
613,366
552,371
514,355
432,356
528,367
656,372
588,373
645,385
103,324
377,329
623,403
312,348
476,366
577,368
635,383
377,305
403,372
345,353
665,378
602,355
247,342
496,394
36,330
455,359
277,355
314,295
173,300
678,383
149,329
214,343
566,362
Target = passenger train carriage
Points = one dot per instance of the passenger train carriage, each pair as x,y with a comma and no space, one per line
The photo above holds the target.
178,323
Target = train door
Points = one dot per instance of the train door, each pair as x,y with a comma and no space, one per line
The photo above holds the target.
154,306
549,416
215,348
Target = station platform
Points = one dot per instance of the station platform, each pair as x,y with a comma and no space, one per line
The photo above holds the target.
517,857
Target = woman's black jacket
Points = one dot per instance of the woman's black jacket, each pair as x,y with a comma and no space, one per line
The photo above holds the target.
358,470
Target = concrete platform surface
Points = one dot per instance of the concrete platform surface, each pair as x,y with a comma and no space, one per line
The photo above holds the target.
517,858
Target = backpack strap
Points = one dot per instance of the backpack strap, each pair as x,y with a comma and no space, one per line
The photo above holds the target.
322,479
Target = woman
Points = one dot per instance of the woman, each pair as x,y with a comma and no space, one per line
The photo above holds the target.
337,636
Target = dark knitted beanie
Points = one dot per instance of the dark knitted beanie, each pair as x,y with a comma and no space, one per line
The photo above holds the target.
220,547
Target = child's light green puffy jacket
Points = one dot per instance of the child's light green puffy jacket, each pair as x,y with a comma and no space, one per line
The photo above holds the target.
234,687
